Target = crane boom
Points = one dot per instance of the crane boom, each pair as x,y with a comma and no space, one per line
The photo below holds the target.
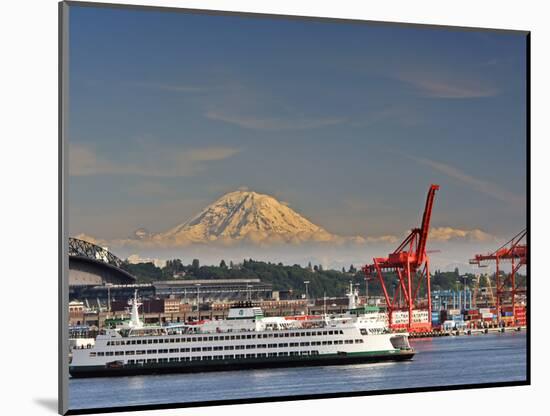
425,228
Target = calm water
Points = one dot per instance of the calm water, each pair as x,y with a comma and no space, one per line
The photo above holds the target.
439,361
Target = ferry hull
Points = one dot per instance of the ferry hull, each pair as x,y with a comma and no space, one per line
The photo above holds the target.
240,364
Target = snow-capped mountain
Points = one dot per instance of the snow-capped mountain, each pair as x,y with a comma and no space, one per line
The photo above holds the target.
245,215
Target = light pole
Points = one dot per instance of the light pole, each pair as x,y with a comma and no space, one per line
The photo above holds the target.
306,282
464,279
198,285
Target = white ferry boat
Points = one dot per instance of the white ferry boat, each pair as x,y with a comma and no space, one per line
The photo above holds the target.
245,339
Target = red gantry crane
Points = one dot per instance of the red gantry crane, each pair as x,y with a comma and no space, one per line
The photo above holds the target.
515,252
412,266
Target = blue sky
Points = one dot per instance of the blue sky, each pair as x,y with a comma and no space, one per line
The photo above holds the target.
348,123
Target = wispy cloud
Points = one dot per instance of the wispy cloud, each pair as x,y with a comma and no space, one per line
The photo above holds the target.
489,188
437,85
166,162
172,87
456,234
273,123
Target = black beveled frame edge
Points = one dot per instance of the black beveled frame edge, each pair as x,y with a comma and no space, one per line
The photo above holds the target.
63,230
63,235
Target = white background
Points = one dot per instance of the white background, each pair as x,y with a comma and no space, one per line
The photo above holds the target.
28,207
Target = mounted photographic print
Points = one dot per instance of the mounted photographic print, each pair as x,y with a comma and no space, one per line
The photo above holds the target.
259,207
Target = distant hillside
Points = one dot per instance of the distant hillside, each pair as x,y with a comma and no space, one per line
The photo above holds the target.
334,283
283,277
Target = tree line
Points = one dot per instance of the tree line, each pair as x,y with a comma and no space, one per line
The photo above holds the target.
282,277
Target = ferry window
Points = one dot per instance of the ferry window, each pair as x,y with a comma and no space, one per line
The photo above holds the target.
195,349
131,361
108,343
185,349
283,354
271,345
324,332
232,336
119,353
314,352
304,344
329,342
363,331
286,334
294,353
218,348
304,353
174,359
358,341
228,347
261,355
155,341
303,334
196,358
133,342
215,338
250,355
271,354
249,337
207,348
92,354
100,354
177,340
172,350
348,341
163,360
163,351
283,345
308,334
109,353
261,346
206,358
341,332
239,347
193,339
293,344
139,352
250,346
324,342
161,341
130,352
151,360
275,335
228,357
